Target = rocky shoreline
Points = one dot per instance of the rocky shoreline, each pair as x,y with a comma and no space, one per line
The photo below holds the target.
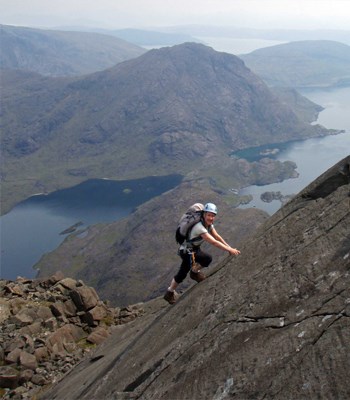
268,197
47,326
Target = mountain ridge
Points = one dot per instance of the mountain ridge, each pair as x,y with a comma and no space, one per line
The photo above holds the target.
61,53
169,109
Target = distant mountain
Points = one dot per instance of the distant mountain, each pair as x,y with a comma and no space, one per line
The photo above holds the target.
148,38
141,37
318,63
282,35
59,53
171,109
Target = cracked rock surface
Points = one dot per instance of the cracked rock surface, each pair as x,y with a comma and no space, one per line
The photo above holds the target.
272,323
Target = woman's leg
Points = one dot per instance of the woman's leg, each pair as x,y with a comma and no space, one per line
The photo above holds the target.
203,258
171,295
184,268
173,285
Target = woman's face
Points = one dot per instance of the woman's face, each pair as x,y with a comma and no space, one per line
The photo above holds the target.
209,218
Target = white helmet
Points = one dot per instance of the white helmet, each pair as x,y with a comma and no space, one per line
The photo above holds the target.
210,207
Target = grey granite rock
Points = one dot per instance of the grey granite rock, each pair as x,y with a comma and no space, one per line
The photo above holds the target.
272,323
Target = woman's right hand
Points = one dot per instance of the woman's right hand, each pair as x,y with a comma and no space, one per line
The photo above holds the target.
234,252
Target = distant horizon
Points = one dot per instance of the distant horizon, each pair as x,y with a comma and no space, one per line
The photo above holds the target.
219,37
174,28
142,14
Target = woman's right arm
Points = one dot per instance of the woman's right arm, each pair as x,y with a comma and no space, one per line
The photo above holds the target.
210,239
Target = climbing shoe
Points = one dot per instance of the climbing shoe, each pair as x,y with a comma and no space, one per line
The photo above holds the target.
171,297
197,276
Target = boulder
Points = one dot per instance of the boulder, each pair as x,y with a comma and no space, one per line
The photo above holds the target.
51,324
52,280
66,334
15,289
98,335
27,360
70,309
32,329
13,356
84,298
44,313
98,313
17,343
39,380
25,316
58,309
68,283
41,353
17,304
25,376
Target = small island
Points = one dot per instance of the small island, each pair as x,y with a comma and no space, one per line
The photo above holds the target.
268,197
72,228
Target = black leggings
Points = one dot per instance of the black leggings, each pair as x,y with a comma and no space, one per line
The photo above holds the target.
201,257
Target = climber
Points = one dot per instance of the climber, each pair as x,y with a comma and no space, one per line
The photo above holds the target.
193,258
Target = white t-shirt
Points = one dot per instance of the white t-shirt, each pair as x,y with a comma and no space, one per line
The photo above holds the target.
195,238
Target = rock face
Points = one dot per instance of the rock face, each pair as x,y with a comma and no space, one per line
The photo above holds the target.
47,325
271,323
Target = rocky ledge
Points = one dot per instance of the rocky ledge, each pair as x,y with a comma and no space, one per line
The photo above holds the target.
47,326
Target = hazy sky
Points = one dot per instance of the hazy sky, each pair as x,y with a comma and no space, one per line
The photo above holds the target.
291,14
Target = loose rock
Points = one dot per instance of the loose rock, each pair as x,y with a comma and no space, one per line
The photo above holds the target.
46,327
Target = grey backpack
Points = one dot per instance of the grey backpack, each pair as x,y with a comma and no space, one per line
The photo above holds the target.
191,217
